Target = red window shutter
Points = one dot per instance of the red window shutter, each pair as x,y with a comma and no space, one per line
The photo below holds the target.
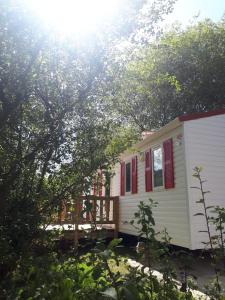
168,164
148,170
122,179
134,188
100,184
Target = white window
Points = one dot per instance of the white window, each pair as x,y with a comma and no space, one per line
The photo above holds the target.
157,167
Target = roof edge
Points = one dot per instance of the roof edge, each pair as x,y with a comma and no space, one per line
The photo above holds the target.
170,126
163,130
201,115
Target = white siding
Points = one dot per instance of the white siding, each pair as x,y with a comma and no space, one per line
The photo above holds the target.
172,210
205,147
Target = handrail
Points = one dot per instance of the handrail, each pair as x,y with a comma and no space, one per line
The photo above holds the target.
104,210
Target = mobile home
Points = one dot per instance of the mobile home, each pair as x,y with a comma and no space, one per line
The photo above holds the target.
161,166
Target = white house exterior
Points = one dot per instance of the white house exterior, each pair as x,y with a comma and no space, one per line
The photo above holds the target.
161,167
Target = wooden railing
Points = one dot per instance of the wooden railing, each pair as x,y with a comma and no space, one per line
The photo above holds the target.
90,210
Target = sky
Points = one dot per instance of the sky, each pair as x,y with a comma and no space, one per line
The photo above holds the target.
185,10
69,17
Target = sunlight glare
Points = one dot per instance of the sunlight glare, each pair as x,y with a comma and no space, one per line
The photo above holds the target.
74,16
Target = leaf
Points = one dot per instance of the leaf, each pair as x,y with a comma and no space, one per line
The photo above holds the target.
200,201
199,214
97,271
208,207
106,254
88,205
206,192
214,237
130,292
114,243
110,293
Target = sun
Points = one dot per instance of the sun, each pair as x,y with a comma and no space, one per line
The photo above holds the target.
74,16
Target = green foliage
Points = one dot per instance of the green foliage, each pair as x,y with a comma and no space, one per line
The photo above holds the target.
96,275
67,281
53,129
156,252
215,242
182,72
122,139
145,219
55,132
218,220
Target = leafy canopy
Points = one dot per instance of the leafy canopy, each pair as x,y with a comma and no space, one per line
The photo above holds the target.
182,72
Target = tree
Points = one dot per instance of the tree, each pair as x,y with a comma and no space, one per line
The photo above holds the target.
54,129
182,72
52,134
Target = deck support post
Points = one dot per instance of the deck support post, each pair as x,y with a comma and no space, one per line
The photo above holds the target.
116,216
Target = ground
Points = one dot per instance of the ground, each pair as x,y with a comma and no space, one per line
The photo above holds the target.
200,266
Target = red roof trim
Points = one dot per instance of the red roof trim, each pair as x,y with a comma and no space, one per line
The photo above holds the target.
201,115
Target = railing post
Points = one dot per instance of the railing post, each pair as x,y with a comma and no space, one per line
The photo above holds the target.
105,215
62,213
94,210
76,232
101,210
107,208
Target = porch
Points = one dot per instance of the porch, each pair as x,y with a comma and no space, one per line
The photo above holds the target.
91,216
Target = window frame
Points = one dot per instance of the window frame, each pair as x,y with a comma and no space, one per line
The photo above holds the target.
160,187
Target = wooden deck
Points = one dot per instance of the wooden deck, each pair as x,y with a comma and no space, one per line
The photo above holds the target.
88,215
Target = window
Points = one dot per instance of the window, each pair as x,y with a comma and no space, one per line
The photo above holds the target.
157,167
128,177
